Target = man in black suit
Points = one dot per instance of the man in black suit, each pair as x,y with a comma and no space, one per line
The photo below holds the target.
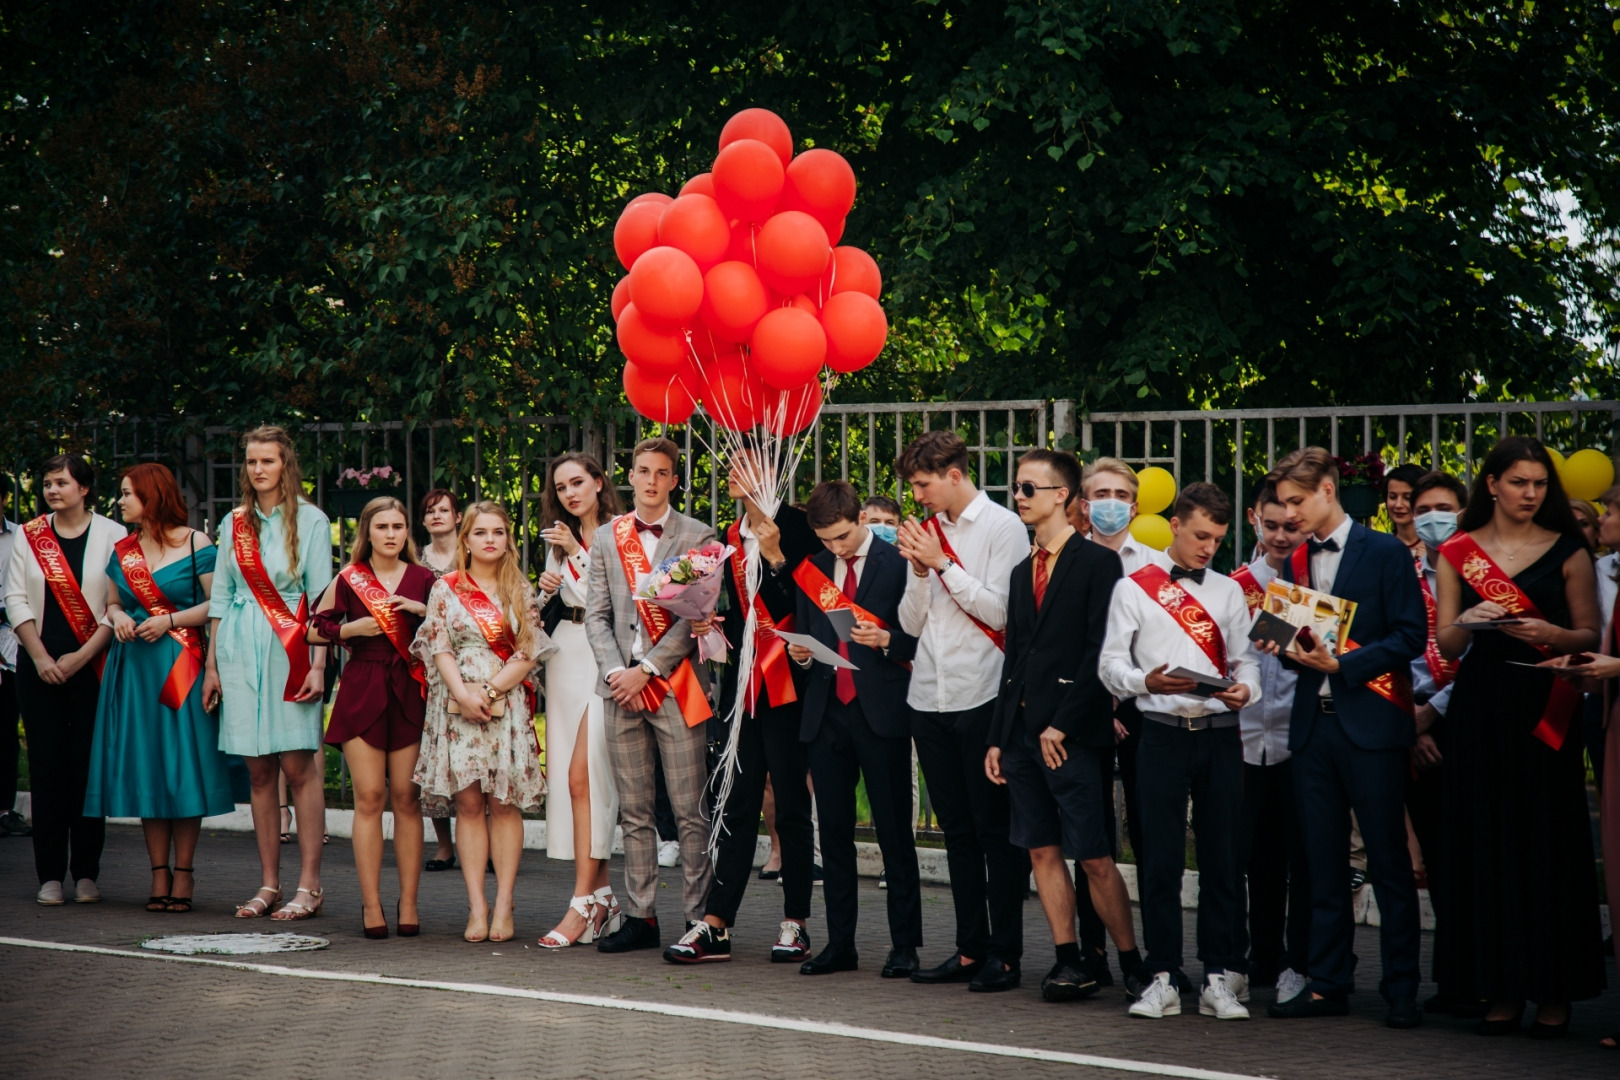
1054,723
856,724
768,738
1351,741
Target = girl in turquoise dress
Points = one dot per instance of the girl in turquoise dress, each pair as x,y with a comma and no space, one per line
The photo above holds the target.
149,760
248,665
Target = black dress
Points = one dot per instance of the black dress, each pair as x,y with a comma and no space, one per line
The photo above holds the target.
1520,920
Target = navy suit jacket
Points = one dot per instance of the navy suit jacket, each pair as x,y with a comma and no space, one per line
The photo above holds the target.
882,681
1391,628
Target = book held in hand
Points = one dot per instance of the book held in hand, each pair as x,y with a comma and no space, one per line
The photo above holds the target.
1207,684
1289,608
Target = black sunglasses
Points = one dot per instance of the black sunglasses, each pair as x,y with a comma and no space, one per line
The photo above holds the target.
1028,490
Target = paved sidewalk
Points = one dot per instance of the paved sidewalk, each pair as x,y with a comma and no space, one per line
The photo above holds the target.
86,1014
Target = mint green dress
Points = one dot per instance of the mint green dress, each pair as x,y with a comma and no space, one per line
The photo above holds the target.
254,720
150,761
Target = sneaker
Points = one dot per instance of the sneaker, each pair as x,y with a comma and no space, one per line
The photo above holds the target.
669,853
1219,1000
1096,965
702,944
1290,984
1238,984
792,944
1159,999
14,824
883,879
85,892
50,894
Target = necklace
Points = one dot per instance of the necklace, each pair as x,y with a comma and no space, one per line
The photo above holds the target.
1513,555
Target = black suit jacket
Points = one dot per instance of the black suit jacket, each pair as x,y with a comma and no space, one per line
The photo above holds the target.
1050,665
882,681
776,588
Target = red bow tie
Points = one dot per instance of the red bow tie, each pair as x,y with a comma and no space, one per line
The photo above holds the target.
656,530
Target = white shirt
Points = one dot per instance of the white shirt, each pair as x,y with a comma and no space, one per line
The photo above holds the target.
1325,564
1264,724
649,544
1607,589
957,666
1423,684
1132,556
1142,635
841,571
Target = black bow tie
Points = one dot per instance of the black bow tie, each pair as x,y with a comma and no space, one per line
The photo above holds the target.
656,530
1315,545
1179,572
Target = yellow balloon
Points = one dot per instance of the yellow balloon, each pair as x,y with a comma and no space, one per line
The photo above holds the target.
1558,461
1155,492
1152,530
1587,474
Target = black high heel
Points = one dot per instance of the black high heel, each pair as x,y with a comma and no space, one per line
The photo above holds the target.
406,929
160,903
180,905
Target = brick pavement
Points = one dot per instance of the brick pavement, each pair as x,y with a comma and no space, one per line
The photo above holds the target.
148,1011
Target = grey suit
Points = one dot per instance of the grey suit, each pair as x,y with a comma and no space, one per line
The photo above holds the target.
610,626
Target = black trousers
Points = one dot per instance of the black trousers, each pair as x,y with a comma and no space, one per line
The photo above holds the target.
767,745
1273,852
989,875
1208,765
60,722
8,741
843,751
1426,806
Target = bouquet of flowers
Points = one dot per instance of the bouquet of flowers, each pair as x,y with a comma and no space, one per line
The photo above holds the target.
379,477
688,587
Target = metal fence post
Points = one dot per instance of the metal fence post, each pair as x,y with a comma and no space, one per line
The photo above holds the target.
1062,420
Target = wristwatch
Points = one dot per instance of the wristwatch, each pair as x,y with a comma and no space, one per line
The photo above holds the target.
648,668
491,693
949,562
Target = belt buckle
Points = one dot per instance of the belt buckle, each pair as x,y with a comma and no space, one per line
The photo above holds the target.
1197,723
576,615
1325,704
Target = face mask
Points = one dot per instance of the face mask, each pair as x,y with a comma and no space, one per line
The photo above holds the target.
1436,527
887,533
1109,516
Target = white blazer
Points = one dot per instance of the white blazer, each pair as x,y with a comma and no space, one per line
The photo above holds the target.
25,582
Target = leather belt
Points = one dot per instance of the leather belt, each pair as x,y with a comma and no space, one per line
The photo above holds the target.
573,614
1214,721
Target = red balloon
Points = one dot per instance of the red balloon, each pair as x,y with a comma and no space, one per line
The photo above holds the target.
788,348
637,230
747,180
655,351
856,329
763,125
821,183
695,225
791,411
851,270
666,286
835,230
651,196
742,242
733,394
804,303
663,399
734,299
621,297
793,251
701,184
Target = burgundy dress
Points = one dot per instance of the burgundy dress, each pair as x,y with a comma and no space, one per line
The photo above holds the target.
377,700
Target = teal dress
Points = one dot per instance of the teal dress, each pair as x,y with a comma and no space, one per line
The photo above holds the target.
254,718
149,761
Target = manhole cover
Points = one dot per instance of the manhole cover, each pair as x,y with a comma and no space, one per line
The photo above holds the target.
234,944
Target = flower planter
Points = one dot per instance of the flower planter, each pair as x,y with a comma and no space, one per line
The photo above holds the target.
348,502
1360,501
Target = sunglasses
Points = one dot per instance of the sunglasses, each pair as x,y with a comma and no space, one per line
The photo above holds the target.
1028,490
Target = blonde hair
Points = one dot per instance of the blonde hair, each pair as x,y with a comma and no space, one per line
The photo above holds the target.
1113,465
291,489
512,589
361,553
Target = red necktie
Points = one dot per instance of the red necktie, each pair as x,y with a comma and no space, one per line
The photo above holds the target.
1041,555
844,683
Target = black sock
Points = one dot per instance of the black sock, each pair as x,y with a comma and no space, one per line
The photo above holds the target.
1129,960
1069,953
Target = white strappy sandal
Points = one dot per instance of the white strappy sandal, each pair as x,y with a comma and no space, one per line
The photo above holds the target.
296,909
605,900
586,907
258,907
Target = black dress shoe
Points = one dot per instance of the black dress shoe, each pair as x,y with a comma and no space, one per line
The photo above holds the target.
994,977
1403,1014
1304,1006
1067,983
951,971
832,958
634,934
901,964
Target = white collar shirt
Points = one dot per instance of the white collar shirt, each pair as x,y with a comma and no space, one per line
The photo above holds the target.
1325,564
1264,725
841,566
649,544
1608,588
1132,555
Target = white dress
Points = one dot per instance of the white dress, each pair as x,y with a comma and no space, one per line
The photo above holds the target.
570,701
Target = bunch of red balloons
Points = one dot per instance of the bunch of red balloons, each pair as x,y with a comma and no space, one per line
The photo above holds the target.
737,296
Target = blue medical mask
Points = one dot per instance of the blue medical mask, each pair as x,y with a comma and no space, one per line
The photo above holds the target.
1436,527
887,533
1109,516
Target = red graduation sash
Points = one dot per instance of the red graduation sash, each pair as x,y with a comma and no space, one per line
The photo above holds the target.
770,652
1185,608
655,621
1394,687
288,627
1253,594
1491,583
375,597
189,664
1440,669
997,637
486,615
827,596
64,586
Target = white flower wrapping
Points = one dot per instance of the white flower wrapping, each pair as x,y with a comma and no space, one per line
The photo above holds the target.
696,600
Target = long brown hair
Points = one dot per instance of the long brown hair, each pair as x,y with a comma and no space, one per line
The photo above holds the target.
552,509
512,589
362,531
1554,515
291,489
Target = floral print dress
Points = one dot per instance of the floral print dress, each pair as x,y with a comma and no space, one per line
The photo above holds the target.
501,756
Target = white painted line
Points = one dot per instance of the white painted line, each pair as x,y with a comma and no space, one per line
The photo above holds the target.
685,1012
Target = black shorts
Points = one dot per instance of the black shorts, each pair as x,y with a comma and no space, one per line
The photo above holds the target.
1062,807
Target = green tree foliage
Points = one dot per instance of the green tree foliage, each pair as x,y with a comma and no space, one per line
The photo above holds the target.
345,209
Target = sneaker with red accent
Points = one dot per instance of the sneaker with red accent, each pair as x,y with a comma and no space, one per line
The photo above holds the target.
703,944
792,944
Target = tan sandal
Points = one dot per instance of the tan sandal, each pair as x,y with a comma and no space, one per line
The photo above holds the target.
258,906
477,929
300,910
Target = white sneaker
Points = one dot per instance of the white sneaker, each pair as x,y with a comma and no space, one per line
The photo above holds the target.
1160,998
1290,984
50,894
1238,984
1218,1000
669,853
85,892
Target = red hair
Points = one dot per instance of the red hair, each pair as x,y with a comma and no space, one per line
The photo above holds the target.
162,505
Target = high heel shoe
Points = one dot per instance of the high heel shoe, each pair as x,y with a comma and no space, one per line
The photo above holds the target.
160,902
612,916
585,906
375,933
1506,1026
501,930
1539,1030
477,929
406,929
